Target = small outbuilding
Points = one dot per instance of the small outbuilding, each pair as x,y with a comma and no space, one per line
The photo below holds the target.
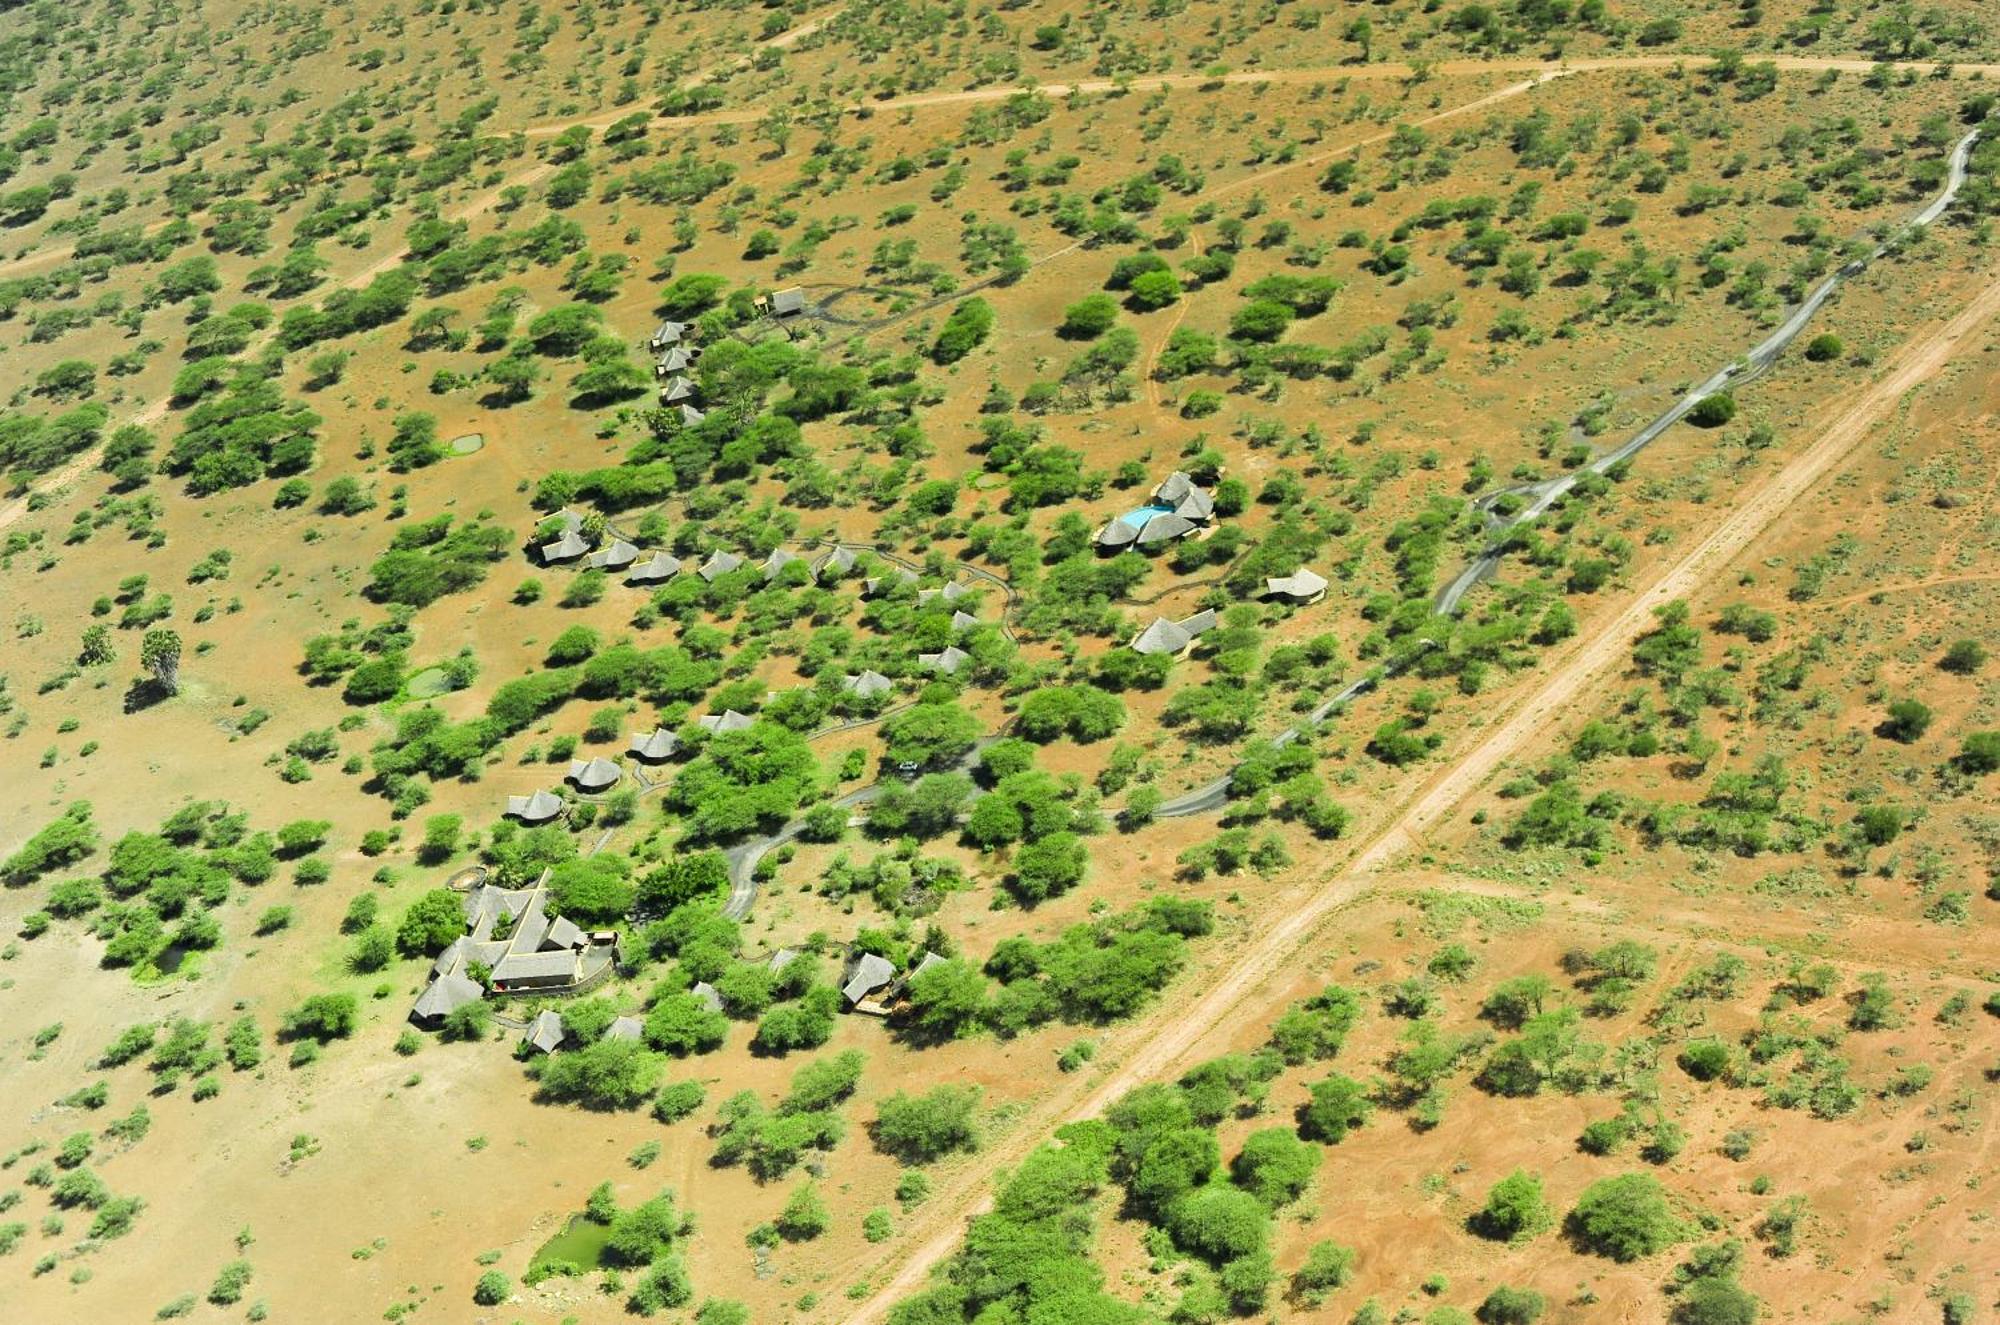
729,720
625,1028
865,974
690,415
774,565
676,390
596,774
1173,638
617,556
788,303
570,545
834,563
546,1032
719,564
656,569
666,334
867,684
708,994
656,745
1302,586
946,661
538,808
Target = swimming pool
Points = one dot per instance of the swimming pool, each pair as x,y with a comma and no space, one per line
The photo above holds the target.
1137,519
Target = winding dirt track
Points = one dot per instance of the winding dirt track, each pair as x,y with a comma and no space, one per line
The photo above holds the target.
1153,1047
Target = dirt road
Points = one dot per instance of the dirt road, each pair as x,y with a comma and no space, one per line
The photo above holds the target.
1157,1045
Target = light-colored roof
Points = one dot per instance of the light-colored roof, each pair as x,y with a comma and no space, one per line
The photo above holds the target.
869,974
719,563
839,561
1164,526
706,992
537,808
566,548
625,1028
660,566
950,593
729,720
1196,505
676,359
868,684
677,388
876,585
777,561
1173,487
948,660
448,960
445,995
668,333
594,774
533,926
780,959
929,960
546,1032
963,621
563,933
1302,583
788,301
1163,636
1118,533
619,554
690,415
1200,623
535,965
656,744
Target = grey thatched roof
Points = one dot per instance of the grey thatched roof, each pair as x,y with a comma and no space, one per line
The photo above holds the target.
625,1028
1119,533
729,720
777,561
1197,505
964,621
537,808
868,684
445,995
677,388
555,963
780,959
706,992
1165,636
868,974
563,933
616,556
668,333
947,661
655,569
690,415
950,593
656,744
1300,585
676,359
1163,527
838,560
546,1032
786,302
568,547
719,563
594,774
1172,488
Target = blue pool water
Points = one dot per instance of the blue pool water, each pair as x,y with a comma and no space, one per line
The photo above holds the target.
1137,519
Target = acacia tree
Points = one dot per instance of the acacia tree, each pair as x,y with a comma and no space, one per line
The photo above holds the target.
160,654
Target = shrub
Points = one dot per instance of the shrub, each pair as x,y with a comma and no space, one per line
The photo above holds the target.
918,1129
1908,720
1713,411
1515,1209
492,1289
804,1216
1511,1306
1625,1218
1824,347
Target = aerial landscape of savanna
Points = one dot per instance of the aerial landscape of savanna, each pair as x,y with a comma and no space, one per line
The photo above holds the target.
1014,662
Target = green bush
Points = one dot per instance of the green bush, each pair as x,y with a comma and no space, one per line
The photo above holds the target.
1625,1218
